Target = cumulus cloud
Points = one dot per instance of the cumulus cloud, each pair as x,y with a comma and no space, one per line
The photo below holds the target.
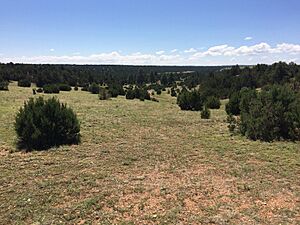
102,58
52,50
191,50
214,55
160,52
261,48
248,38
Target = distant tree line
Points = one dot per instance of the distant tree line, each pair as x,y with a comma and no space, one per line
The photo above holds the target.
83,75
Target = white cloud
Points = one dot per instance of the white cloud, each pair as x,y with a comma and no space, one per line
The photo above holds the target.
160,52
215,51
52,50
191,50
174,50
248,38
289,48
215,55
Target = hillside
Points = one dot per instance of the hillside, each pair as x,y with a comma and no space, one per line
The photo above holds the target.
146,163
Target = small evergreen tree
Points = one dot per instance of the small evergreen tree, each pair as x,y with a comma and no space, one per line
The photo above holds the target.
51,89
64,87
94,88
42,124
233,106
24,83
190,100
213,102
130,94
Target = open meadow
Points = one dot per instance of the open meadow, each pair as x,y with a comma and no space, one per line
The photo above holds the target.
145,163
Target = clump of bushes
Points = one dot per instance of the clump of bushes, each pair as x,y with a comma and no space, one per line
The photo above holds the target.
190,100
138,93
272,114
42,124
213,102
51,89
76,88
94,88
24,83
205,113
64,87
115,90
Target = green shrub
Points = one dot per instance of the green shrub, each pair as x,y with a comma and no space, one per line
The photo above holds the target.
130,94
115,90
190,100
24,83
76,88
138,93
3,86
51,89
205,113
272,114
42,124
94,88
64,87
213,102
158,92
233,106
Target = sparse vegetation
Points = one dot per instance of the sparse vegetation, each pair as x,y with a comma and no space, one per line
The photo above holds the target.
191,170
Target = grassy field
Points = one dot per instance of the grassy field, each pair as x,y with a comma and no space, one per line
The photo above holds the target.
146,163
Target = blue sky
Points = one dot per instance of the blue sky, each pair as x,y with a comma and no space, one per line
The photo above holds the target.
161,32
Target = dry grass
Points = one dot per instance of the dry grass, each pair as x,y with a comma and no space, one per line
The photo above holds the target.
146,163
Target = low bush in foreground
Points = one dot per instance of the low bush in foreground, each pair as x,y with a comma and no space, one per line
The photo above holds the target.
42,124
